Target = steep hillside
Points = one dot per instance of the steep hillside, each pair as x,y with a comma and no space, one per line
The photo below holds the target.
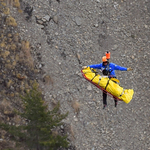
68,34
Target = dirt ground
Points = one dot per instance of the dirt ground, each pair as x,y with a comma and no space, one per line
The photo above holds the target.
69,34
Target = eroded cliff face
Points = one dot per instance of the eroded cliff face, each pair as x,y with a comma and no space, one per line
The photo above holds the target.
18,72
66,35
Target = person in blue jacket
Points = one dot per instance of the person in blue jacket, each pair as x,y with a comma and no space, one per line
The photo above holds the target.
109,70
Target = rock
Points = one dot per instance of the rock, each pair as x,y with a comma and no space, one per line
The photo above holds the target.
96,25
55,19
115,47
78,20
75,119
79,58
89,88
39,22
47,79
62,127
44,20
40,65
132,57
47,18
38,17
40,26
79,74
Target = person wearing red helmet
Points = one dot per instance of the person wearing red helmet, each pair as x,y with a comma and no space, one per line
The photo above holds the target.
108,69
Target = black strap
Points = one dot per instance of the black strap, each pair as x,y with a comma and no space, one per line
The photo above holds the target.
95,74
108,69
107,84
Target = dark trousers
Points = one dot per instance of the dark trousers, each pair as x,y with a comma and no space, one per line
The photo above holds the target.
105,99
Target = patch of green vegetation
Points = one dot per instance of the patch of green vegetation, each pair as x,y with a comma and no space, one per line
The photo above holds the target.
37,131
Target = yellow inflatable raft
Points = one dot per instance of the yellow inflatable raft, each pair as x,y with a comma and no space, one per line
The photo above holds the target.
108,84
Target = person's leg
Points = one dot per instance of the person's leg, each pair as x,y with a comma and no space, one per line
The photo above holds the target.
116,101
104,99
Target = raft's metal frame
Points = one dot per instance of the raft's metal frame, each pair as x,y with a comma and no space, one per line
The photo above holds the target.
108,93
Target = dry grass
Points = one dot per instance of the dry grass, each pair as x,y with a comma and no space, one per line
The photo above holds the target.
13,47
71,131
76,106
10,21
6,11
4,104
9,2
53,103
6,108
16,37
3,3
17,120
20,77
14,3
27,53
2,44
5,54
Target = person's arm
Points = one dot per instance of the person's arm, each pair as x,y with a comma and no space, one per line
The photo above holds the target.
96,66
116,67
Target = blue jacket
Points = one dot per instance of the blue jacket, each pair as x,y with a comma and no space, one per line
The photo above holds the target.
112,68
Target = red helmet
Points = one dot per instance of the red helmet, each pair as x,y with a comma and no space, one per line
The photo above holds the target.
104,59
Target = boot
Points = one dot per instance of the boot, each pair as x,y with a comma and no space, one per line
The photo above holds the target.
104,106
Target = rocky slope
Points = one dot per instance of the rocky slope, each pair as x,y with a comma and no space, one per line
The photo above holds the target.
68,34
